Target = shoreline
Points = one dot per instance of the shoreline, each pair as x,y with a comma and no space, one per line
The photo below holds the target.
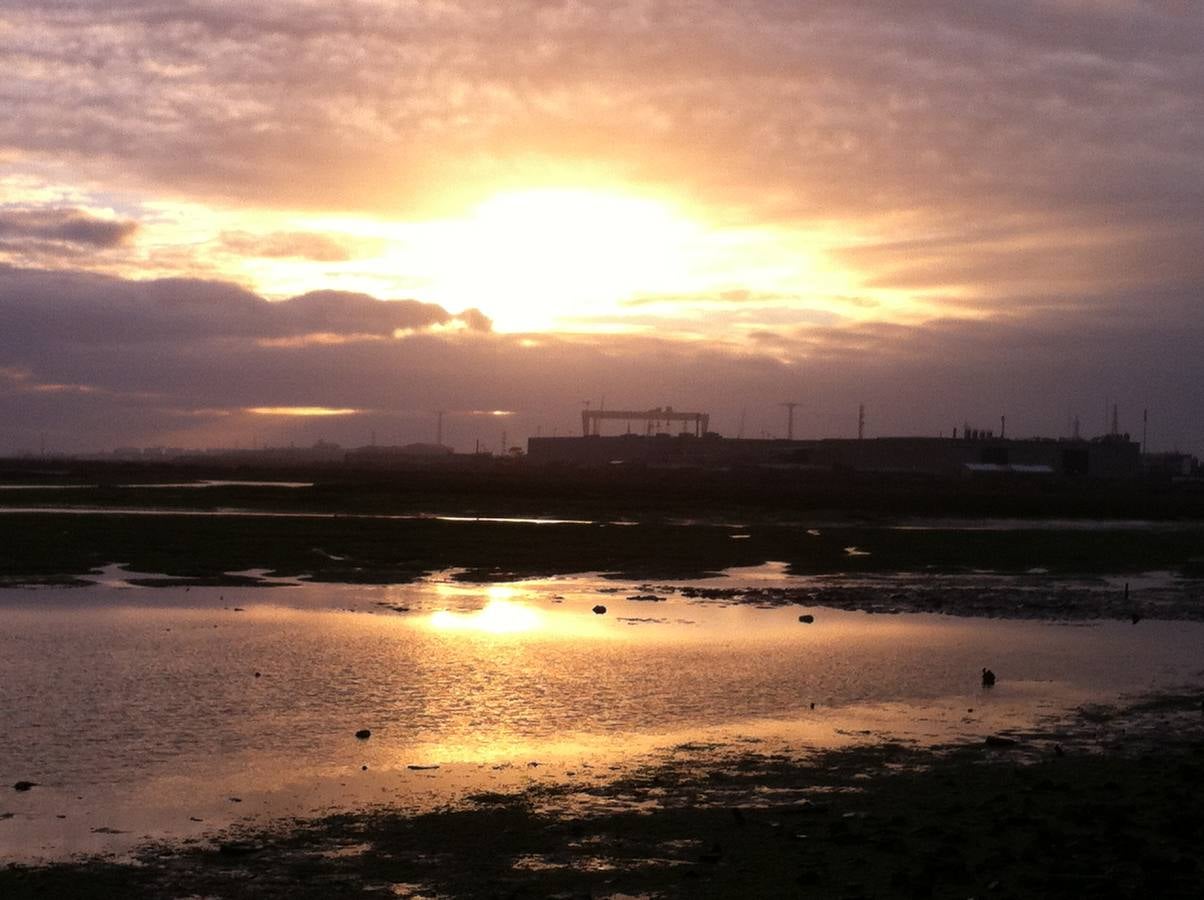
1105,801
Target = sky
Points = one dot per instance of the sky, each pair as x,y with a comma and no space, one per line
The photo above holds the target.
233,224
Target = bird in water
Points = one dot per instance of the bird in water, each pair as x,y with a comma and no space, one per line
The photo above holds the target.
988,678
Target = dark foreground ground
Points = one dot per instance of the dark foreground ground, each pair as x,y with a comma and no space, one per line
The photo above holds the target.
1109,803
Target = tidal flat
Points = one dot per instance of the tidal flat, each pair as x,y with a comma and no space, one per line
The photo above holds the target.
564,704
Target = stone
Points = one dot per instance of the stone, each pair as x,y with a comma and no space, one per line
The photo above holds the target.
363,734
600,610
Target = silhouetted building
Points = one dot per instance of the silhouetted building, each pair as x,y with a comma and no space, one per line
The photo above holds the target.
980,455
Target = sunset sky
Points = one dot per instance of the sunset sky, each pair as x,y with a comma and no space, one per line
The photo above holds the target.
228,222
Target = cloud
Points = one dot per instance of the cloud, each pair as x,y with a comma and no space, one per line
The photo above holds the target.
819,109
285,245
62,226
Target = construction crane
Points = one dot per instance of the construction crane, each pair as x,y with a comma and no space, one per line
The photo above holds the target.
651,417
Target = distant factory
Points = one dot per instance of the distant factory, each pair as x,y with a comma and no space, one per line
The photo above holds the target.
972,453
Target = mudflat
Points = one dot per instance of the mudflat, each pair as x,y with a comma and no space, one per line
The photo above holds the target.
1108,802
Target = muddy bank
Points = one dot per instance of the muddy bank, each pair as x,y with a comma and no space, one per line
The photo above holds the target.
997,598
206,546
1107,803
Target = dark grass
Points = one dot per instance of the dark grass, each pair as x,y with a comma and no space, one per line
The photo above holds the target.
495,487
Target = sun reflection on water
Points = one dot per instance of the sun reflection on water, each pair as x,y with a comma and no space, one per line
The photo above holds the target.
500,615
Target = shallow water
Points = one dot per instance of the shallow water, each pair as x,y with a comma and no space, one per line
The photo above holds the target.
138,710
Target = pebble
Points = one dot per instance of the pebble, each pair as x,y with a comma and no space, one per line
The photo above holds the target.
238,848
24,785
806,619
600,610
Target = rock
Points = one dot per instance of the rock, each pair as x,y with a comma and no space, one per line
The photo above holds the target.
995,740
806,619
988,678
24,785
257,675
363,768
421,768
600,610
363,734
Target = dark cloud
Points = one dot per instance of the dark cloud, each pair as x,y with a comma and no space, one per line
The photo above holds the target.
113,363
63,226
38,308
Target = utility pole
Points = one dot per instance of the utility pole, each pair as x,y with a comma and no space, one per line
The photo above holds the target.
790,420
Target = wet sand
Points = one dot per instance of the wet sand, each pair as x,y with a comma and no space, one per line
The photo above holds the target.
1108,802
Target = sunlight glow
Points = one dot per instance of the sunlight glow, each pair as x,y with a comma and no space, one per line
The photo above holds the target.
300,411
532,257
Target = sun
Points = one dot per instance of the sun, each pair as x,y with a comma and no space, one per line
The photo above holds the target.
533,258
